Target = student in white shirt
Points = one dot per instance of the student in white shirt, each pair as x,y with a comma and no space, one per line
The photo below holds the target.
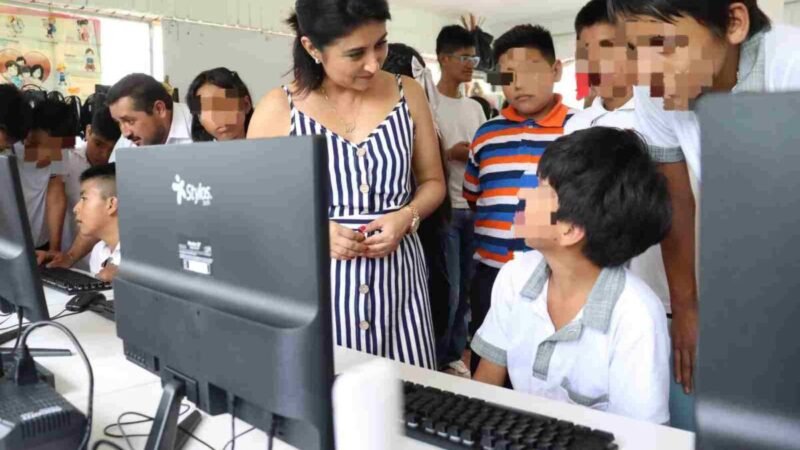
568,321
458,118
96,215
146,113
601,53
685,48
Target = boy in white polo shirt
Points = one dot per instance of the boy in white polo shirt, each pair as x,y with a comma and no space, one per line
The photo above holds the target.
568,322
685,48
97,216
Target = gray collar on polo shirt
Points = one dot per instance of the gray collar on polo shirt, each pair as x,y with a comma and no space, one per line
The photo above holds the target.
751,74
596,313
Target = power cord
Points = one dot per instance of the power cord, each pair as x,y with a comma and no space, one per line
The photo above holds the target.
25,358
230,442
145,419
232,411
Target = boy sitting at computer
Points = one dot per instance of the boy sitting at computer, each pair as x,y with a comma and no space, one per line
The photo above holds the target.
96,216
567,321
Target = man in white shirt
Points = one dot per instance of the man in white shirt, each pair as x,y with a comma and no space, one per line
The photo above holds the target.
567,321
458,118
721,46
96,215
601,53
146,114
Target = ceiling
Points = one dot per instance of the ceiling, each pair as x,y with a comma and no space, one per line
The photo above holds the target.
500,15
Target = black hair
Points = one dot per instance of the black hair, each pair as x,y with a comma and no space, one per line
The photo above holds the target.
104,125
220,77
711,13
526,36
39,67
143,89
10,64
593,13
453,38
485,105
324,21
398,60
25,69
15,112
53,117
105,172
21,61
607,184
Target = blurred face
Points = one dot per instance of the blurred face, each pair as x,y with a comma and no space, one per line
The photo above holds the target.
459,65
42,148
222,112
353,60
529,79
93,212
98,149
537,224
138,126
5,140
681,60
601,52
13,70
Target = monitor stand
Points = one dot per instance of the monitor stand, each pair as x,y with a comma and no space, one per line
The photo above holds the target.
164,433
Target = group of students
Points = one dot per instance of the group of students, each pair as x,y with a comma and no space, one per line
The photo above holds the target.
544,224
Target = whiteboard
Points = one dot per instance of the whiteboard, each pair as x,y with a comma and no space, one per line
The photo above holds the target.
262,61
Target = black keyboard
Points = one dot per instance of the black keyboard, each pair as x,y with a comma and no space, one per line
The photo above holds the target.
104,308
71,282
456,422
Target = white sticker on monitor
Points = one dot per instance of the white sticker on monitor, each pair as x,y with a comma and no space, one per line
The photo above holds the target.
196,255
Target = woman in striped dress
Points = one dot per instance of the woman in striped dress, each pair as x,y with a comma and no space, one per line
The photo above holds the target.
380,133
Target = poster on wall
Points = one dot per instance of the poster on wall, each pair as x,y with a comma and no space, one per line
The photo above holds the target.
50,51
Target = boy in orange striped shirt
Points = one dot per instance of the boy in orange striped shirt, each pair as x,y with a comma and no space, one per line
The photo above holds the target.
507,147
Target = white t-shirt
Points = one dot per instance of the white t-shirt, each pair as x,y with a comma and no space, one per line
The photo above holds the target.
614,356
180,132
75,163
768,62
100,254
35,182
458,120
649,266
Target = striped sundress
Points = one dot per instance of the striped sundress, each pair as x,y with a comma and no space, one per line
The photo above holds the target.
380,306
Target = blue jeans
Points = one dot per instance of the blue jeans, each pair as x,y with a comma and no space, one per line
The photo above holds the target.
460,248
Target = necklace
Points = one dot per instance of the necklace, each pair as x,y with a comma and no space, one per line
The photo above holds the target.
348,127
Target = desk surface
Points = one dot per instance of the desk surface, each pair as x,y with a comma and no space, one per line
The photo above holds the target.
122,386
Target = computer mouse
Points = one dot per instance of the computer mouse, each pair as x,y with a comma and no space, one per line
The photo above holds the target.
80,302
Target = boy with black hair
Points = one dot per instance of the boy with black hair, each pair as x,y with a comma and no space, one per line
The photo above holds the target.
34,136
506,147
96,215
568,321
458,118
686,48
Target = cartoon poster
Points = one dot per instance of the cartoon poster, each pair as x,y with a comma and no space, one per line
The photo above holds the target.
50,51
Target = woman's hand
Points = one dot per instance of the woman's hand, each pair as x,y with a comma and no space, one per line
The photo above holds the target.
346,244
392,229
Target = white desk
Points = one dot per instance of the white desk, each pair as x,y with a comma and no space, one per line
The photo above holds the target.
122,386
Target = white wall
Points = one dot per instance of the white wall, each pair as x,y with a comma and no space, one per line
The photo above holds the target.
791,13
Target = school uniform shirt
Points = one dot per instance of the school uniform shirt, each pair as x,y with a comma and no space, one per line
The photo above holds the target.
35,181
75,163
649,266
768,62
102,253
458,120
180,132
613,356
504,149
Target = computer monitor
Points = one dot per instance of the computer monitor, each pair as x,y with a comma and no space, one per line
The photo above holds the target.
748,362
20,285
223,289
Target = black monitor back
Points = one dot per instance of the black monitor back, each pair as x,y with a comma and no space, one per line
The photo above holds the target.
20,285
748,394
224,279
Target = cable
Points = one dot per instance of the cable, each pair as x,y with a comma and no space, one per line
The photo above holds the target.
184,409
108,443
65,330
273,426
232,410
120,424
19,332
237,437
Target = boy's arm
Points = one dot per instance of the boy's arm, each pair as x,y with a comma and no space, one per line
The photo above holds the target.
490,373
55,211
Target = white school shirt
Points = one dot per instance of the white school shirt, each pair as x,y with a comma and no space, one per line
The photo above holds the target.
100,254
35,182
614,356
649,266
180,132
768,62
75,163
458,120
